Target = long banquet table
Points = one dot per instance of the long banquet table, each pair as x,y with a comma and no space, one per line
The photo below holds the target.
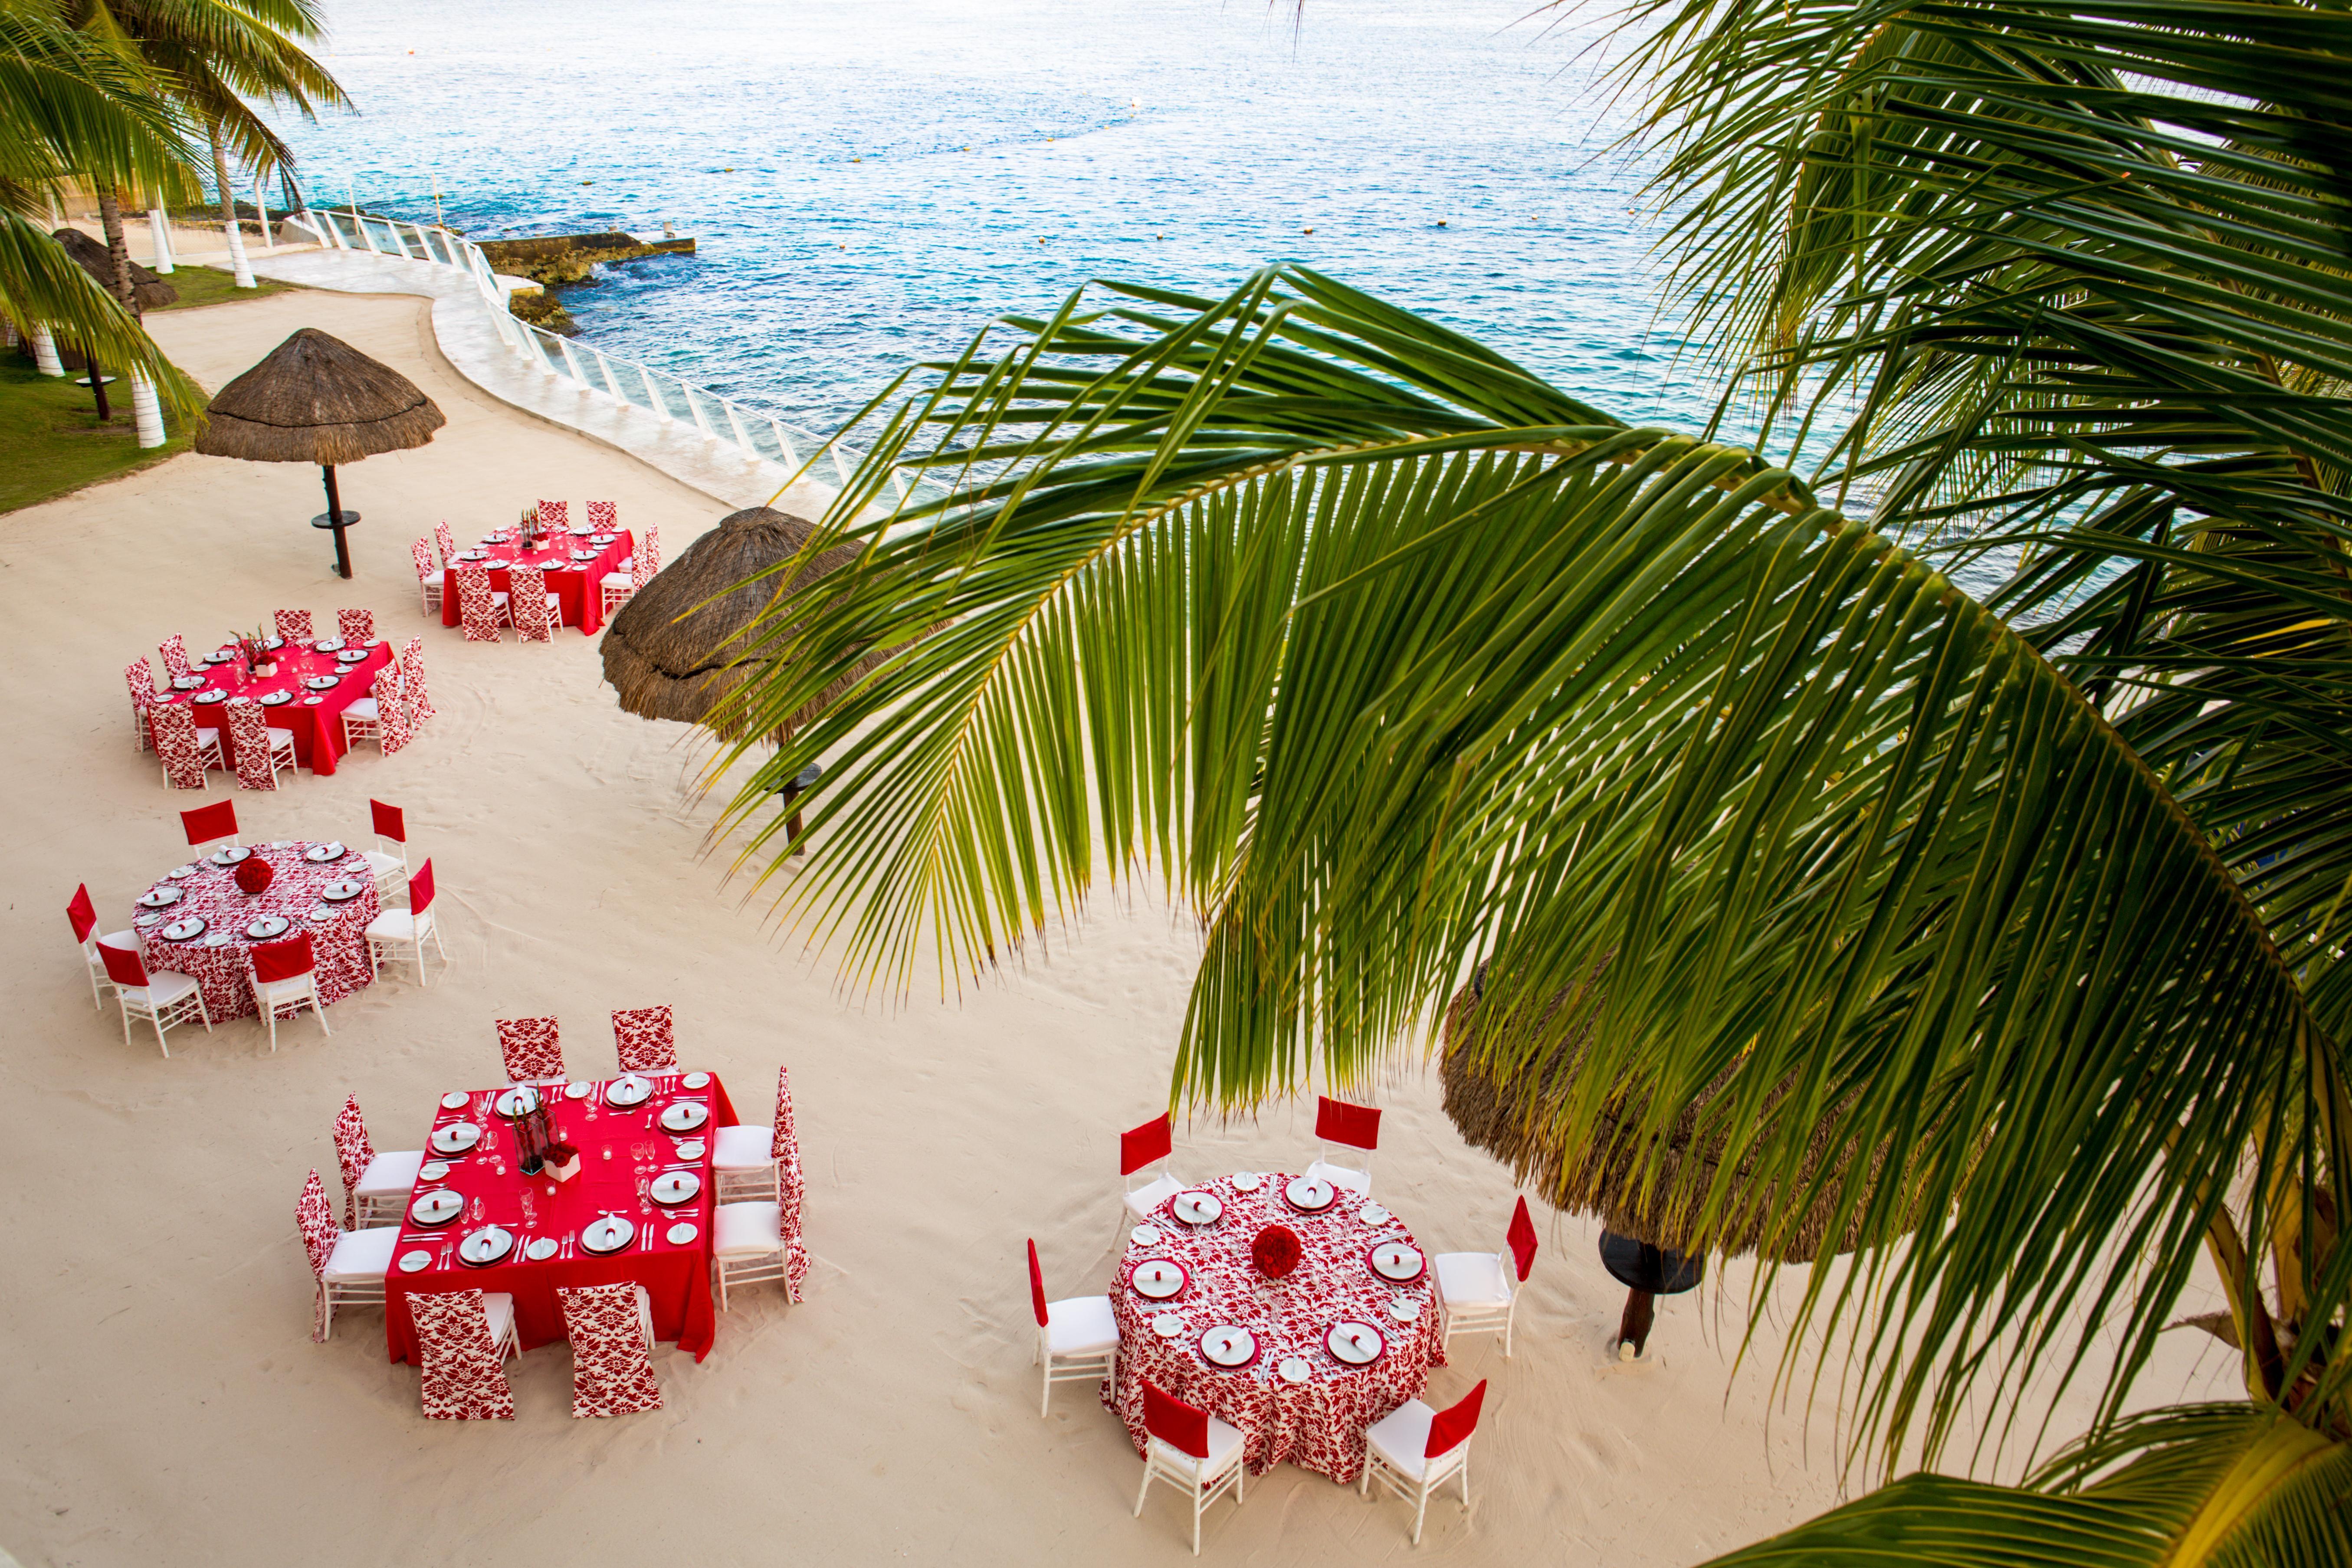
578,585
314,717
621,1152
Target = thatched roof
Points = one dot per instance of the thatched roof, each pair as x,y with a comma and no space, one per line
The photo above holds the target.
1511,1120
98,261
672,651
316,399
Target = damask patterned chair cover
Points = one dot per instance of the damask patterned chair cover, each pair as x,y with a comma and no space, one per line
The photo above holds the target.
356,627
603,517
463,1376
353,1151
643,1041
315,1219
646,559
531,1048
611,1374
390,709
186,752
446,541
791,1186
428,575
535,619
412,681
478,611
174,650
140,676
294,626
554,513
255,743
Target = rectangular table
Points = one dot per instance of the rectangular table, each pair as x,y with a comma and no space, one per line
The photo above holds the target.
317,727
579,584
620,1151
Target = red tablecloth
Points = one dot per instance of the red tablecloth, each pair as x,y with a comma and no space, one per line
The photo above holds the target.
1318,1424
316,719
338,931
498,1192
580,584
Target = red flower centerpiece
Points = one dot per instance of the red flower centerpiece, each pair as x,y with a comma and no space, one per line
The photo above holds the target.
1274,1251
253,873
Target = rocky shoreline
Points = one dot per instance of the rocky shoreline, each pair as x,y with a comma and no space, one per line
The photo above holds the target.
566,261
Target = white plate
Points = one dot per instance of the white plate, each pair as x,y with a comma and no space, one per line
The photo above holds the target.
328,645
684,1117
144,921
275,698
455,1139
321,682
218,939
1373,1214
575,1092
436,1207
695,1081
519,1100
674,1187
1157,1280
1246,1180
320,854
455,1099
691,1150
486,1244
431,1171
159,898
628,1090
1168,1326
608,1235
1405,1311
1398,1261
209,695
1310,1194
352,656
1356,1343
181,931
188,683
681,1233
410,1262
312,701
267,926
178,871
1196,1208
230,856
1228,1345
1294,1369
1145,1235
342,892
542,1248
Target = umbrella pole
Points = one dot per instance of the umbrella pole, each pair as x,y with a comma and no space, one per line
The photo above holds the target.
335,517
1634,1326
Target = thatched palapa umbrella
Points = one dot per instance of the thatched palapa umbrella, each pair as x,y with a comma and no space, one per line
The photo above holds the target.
147,292
316,399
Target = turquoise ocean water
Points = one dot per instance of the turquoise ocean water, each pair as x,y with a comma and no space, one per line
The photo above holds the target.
870,180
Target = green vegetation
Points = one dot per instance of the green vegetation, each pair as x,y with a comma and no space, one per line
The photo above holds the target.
201,286
54,441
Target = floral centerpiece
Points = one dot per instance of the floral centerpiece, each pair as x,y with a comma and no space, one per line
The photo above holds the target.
254,647
1275,1251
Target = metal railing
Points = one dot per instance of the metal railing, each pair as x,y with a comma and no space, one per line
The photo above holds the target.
752,431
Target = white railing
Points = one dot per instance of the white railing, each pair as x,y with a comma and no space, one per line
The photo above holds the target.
749,430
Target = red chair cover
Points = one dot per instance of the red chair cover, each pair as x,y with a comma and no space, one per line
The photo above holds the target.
1179,1426
388,822
294,626
316,1224
1450,1428
122,966
645,559
463,1379
356,627
420,889
1522,1237
174,650
446,540
171,729
207,822
610,1373
603,517
287,959
534,619
643,1041
391,716
1138,1146
1036,1285
412,681
791,1186
477,612
82,913
423,553
141,678
1337,1122
554,513
353,1151
531,1048
249,737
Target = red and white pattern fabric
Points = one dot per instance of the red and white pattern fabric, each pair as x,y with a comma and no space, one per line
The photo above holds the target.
252,743
186,752
294,626
603,517
463,1377
314,1219
428,575
643,1040
1318,1424
531,1048
448,542
314,717
392,730
554,513
174,650
479,610
338,931
576,584
535,619
412,681
645,560
791,1185
353,1153
611,1374
356,627
140,676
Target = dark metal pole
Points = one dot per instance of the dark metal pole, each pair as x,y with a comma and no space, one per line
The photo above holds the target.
97,384
335,512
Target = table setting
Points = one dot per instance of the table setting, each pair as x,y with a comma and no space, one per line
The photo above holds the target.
305,686
526,1189
575,560
1287,1307
202,919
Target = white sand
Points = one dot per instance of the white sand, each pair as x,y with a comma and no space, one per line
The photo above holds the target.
162,1402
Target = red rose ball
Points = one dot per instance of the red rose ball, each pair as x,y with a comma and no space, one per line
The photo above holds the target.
1274,1251
253,873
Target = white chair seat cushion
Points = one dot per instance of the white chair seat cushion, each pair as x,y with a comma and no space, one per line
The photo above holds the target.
556,599
1356,1182
499,597
293,986
209,737
362,1255
365,708
127,941
1081,1326
380,864
390,1174
400,925
1144,1199
164,987
743,1149
1224,1445
1402,1434
617,580
281,737
1472,1279
742,1230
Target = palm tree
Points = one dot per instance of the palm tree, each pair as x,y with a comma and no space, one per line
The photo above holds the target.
1395,663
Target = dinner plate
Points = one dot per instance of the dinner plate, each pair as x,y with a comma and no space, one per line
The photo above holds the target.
352,656
328,645
312,701
218,939
486,1245
160,898
320,854
188,682
1228,1345
681,1234
267,927
517,1102
575,1092
321,683
500,566
695,1081
691,1150
1308,1194
1356,1343
415,1259
432,1170
1404,1310
339,891
1294,1369
455,1138
608,1235
685,1116
1373,1214
274,699
472,554
540,1248
218,656
184,931
1158,1278
209,695
674,1187
628,1089
1245,1181
1196,1208
1398,1261
180,872
602,538
438,1206
230,856
1145,1235
145,922
1168,1325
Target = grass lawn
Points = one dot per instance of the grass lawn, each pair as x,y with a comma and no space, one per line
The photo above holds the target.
210,285
53,441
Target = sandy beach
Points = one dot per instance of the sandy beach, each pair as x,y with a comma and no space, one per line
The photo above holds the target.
164,1402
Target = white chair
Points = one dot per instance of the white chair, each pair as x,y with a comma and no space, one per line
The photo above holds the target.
395,929
1479,1292
1078,1339
1193,1451
389,869
1413,1451
747,1241
164,999
1355,1128
348,1265
743,1160
83,916
383,1188
284,980
1140,1147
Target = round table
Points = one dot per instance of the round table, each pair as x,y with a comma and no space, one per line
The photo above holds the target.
216,959
1318,1424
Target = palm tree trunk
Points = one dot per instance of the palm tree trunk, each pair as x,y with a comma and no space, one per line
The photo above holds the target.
118,251
238,265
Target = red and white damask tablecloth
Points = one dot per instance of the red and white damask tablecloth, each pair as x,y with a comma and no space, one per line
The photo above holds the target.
317,726
622,1153
1318,1424
579,584
216,957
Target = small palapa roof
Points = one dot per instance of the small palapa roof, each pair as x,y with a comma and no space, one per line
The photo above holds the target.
146,287
316,399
